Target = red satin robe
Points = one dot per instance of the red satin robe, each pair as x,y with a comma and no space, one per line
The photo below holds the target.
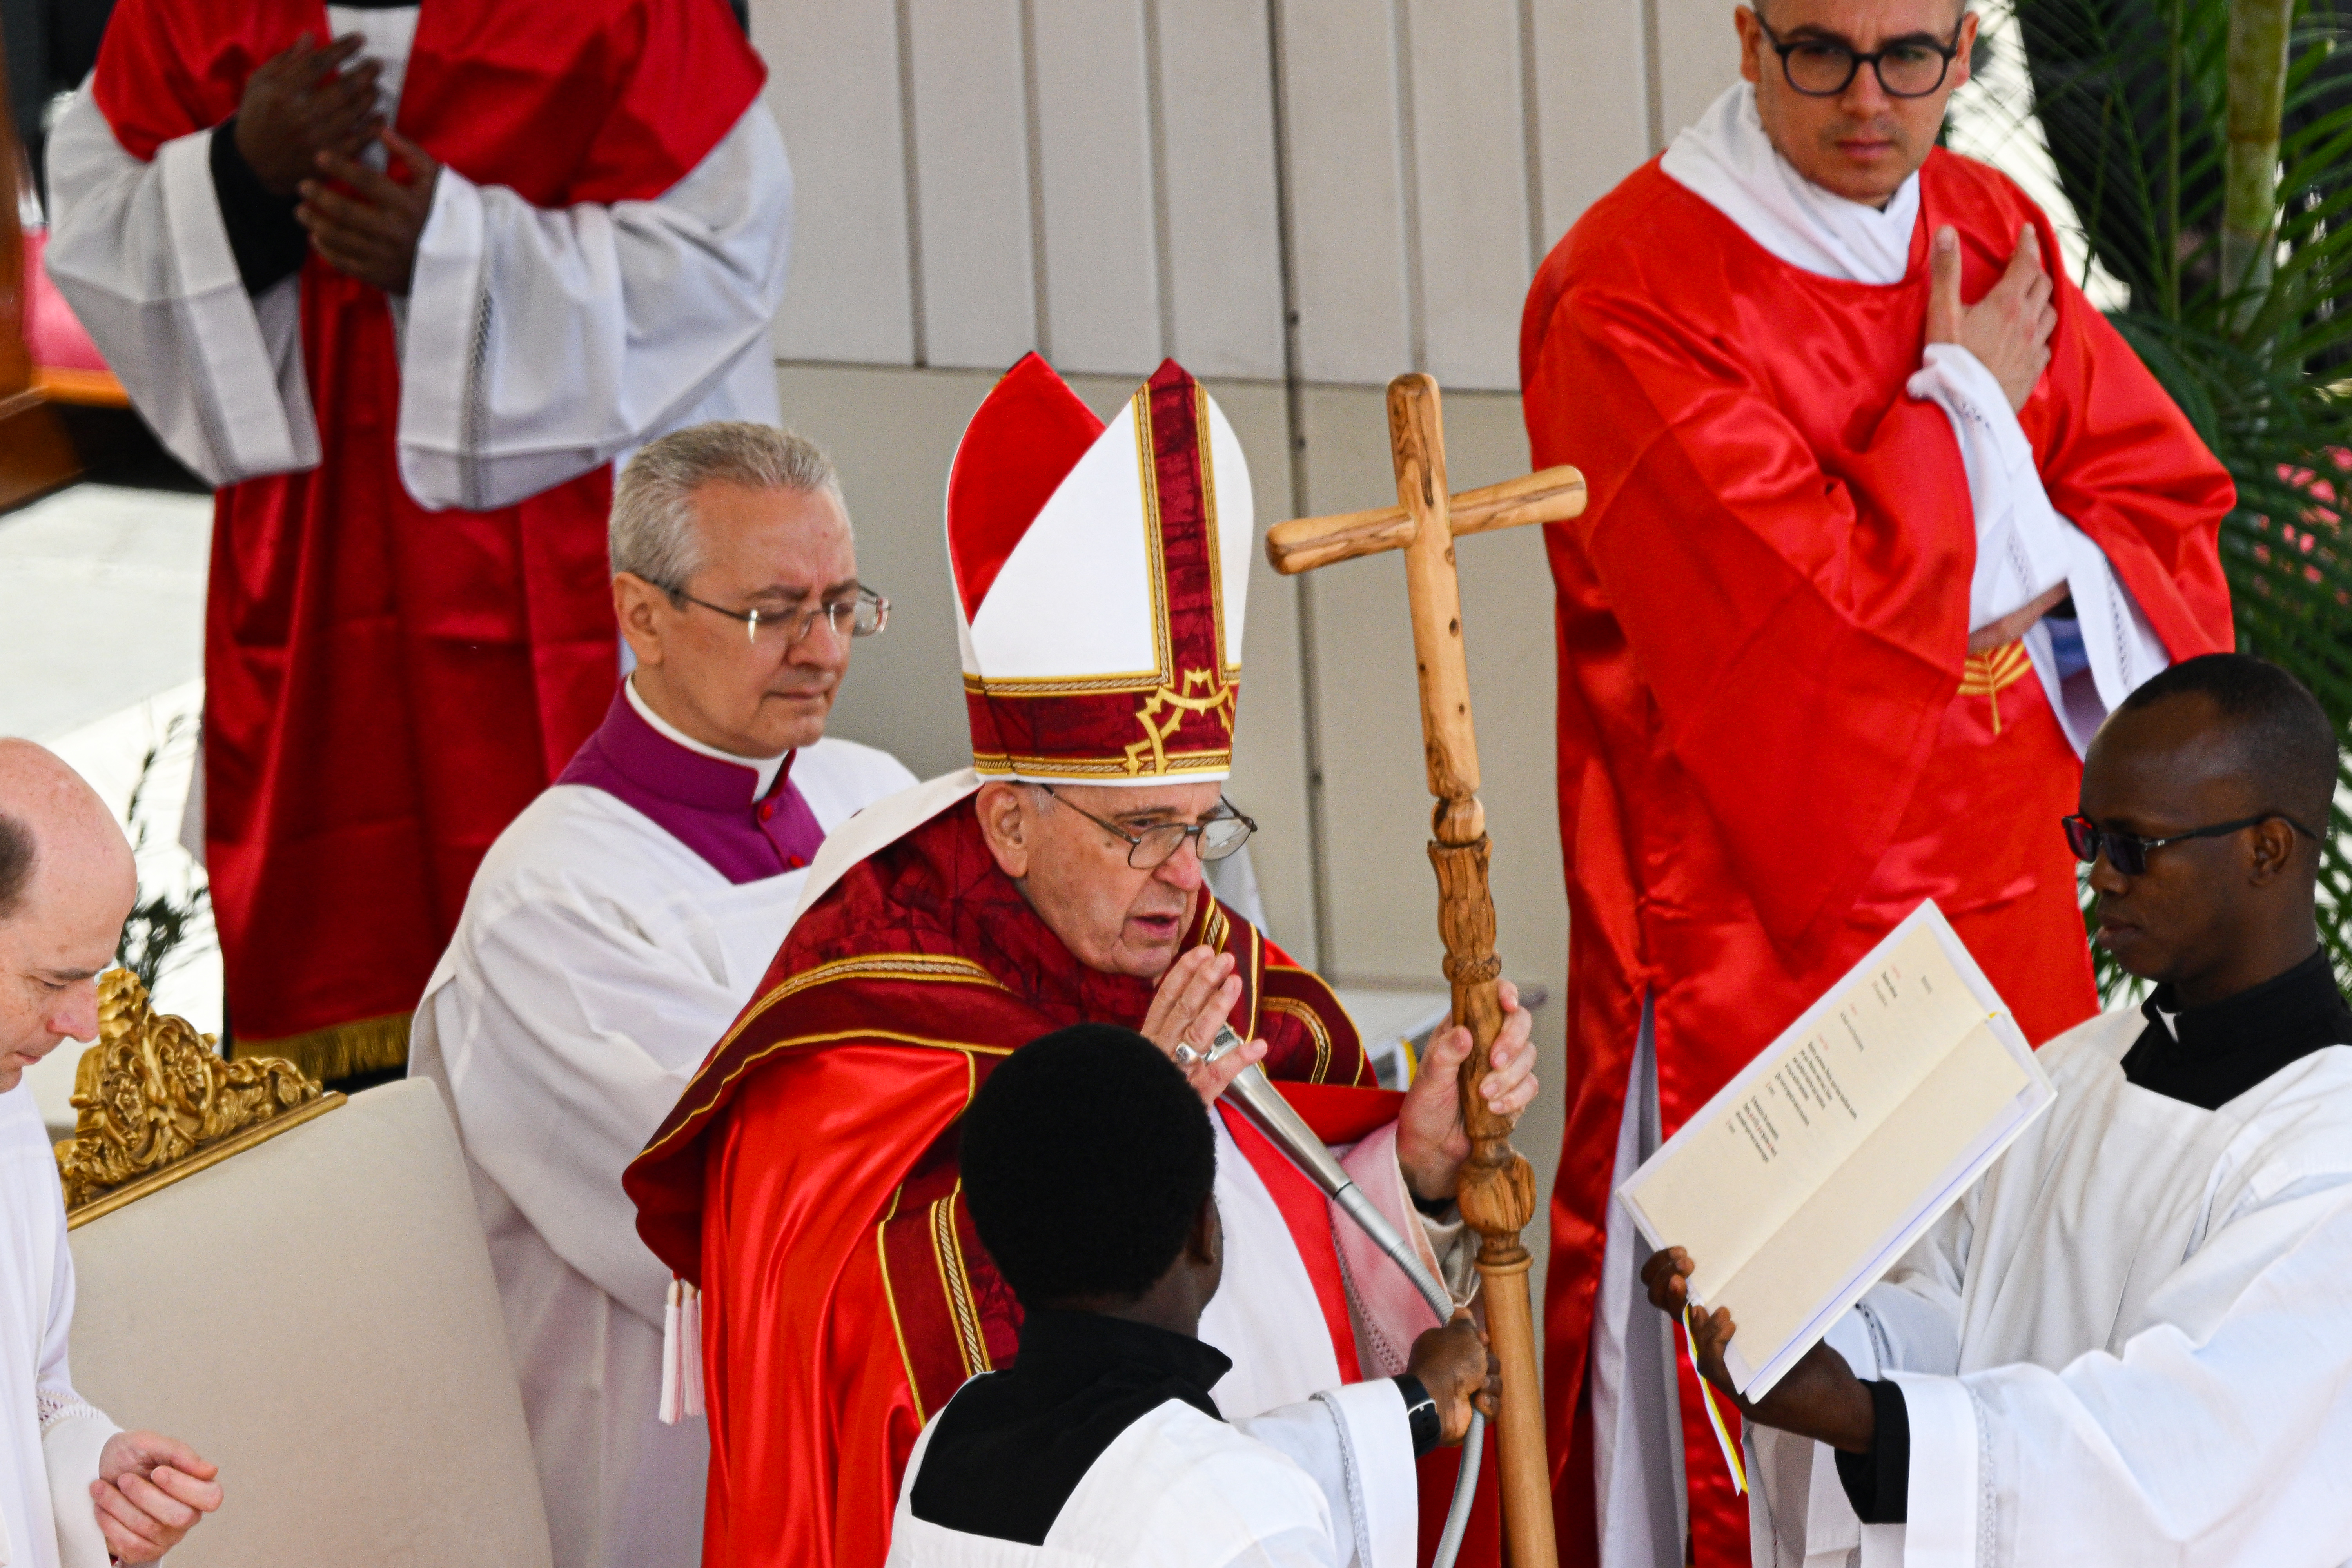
1773,742
807,1182
386,687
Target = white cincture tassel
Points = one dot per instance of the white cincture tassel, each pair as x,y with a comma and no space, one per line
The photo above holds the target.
681,1384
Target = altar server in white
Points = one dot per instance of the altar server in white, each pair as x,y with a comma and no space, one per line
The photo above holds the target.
1090,1171
622,921
74,1488
2127,1344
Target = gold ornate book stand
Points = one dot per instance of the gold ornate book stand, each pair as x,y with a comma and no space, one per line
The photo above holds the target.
155,1102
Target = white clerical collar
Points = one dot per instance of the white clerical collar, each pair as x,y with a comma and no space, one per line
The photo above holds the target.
1726,160
766,767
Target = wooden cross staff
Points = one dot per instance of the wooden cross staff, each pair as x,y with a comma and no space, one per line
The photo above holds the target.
1499,1191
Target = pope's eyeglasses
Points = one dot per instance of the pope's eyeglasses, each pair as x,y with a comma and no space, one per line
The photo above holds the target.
1153,847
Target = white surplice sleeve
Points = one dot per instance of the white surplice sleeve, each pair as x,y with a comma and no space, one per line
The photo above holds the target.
140,251
1355,1444
73,1431
551,1028
2218,1439
538,343
1798,1514
2024,548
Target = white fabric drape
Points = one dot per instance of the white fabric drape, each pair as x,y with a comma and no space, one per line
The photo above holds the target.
141,253
541,342
2126,1344
597,961
536,343
1176,1490
50,1435
2024,546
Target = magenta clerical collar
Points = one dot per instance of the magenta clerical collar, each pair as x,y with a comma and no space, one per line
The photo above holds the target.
704,804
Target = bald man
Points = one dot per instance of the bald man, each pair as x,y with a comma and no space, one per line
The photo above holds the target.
2128,1343
74,1488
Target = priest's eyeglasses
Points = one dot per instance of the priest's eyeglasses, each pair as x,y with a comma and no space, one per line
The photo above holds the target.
1155,846
2127,852
862,616
1822,67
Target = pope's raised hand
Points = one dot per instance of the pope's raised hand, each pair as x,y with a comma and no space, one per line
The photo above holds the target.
1431,1143
1195,996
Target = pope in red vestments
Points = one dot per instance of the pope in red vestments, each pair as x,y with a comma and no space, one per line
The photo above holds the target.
1832,631
409,630
807,1181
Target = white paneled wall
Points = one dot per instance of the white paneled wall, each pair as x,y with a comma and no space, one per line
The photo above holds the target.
1115,181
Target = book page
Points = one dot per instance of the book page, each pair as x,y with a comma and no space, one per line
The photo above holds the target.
1821,1101
1776,1291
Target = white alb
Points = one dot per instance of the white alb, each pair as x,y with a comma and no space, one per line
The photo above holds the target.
597,961
50,1437
2126,1344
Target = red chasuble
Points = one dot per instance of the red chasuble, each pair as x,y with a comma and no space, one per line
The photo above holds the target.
1773,742
386,687
807,1181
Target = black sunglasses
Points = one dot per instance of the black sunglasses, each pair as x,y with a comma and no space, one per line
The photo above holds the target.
2127,852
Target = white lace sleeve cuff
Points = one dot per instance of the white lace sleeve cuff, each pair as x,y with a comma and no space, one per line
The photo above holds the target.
2020,551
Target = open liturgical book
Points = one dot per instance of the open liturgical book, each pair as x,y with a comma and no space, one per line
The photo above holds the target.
1812,1171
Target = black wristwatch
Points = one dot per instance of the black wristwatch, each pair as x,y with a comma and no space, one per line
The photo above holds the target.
1421,1410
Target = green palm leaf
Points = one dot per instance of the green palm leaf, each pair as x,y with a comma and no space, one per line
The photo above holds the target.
2133,95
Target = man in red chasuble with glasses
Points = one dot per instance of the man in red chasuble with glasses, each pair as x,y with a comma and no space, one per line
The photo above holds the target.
807,1181
1884,518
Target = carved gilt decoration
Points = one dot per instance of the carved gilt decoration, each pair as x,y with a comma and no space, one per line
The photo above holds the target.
153,1092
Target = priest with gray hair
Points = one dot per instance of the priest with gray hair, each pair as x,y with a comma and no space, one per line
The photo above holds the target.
618,926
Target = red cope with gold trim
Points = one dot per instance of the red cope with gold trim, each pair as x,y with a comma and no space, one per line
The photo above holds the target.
807,1180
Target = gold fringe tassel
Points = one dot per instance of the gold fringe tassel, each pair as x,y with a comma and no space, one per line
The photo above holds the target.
363,1045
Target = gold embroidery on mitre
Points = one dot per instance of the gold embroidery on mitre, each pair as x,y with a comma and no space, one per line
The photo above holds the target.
1986,673
1203,693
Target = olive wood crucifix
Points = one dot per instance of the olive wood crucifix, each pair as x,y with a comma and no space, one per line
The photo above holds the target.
1497,1195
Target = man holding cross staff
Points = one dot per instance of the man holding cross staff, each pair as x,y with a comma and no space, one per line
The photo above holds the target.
808,1182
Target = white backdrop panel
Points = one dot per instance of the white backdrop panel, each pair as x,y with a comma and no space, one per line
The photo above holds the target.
1471,156
1222,242
971,164
1592,105
1102,278
833,82
1347,205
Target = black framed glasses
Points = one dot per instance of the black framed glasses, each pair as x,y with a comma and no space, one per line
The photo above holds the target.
2127,852
1154,846
862,616
1823,67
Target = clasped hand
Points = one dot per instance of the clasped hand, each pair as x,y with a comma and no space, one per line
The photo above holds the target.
303,125
1820,1397
150,1491
1199,992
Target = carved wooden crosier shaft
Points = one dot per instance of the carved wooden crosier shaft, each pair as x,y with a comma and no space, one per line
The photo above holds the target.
1497,1192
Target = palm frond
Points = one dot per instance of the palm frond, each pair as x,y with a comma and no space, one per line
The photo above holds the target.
2132,96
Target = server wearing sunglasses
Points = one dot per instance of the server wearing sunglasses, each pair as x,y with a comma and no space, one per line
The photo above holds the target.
2127,1343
